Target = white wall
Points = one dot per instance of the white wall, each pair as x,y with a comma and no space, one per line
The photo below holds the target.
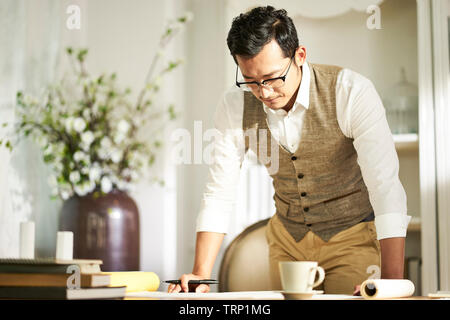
122,37
204,86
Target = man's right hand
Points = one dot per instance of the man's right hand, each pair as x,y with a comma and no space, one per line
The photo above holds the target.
203,288
206,249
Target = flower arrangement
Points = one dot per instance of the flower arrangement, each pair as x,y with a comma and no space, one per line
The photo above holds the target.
90,132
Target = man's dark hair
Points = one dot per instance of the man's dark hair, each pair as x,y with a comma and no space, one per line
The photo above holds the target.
251,31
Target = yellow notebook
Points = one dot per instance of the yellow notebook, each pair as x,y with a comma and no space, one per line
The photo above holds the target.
135,281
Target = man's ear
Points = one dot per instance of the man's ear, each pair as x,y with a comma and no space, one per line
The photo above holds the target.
300,56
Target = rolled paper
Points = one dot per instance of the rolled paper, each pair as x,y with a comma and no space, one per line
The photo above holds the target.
26,240
64,245
136,281
387,288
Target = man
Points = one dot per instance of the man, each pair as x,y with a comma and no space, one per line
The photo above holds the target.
338,197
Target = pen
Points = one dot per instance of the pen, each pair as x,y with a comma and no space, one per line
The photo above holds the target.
202,281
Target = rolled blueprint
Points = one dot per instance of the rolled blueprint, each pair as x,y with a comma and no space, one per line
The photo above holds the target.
26,240
134,280
386,288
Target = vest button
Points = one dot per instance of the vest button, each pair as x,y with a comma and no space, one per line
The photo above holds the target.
294,158
303,194
300,175
306,209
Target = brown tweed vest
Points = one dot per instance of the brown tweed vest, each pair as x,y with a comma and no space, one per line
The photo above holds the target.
320,186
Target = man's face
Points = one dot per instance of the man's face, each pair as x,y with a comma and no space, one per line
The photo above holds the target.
270,62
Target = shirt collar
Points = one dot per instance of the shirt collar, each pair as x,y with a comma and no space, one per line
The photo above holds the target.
302,94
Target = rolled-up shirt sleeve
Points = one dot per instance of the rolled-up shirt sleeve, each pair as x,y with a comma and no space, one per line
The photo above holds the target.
219,197
363,118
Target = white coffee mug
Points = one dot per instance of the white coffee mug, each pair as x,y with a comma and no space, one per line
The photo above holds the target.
299,276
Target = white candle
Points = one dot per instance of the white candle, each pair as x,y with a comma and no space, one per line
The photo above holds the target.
64,245
26,240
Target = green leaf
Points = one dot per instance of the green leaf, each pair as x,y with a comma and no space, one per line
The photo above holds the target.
172,113
151,160
49,158
81,54
69,50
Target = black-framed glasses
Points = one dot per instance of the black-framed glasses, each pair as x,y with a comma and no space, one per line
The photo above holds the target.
270,84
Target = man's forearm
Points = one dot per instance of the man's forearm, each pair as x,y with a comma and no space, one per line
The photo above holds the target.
206,250
392,258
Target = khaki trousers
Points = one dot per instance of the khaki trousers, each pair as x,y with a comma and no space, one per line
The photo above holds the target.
346,257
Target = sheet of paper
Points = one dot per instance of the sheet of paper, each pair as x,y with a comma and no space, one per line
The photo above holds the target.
335,297
239,295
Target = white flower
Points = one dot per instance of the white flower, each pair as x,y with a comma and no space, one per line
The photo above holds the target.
103,154
90,186
86,140
84,188
95,173
80,190
65,195
105,143
106,185
78,156
69,124
42,141
123,126
87,114
79,125
116,155
58,166
119,138
81,156
74,177
49,150
65,191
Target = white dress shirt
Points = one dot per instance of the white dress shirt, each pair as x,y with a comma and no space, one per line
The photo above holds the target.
360,115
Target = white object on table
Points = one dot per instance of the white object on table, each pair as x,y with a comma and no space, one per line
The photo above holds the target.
64,245
26,240
387,288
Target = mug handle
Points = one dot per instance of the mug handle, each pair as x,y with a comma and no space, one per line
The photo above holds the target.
321,272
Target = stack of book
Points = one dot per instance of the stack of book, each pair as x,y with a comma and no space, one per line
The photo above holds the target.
49,278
